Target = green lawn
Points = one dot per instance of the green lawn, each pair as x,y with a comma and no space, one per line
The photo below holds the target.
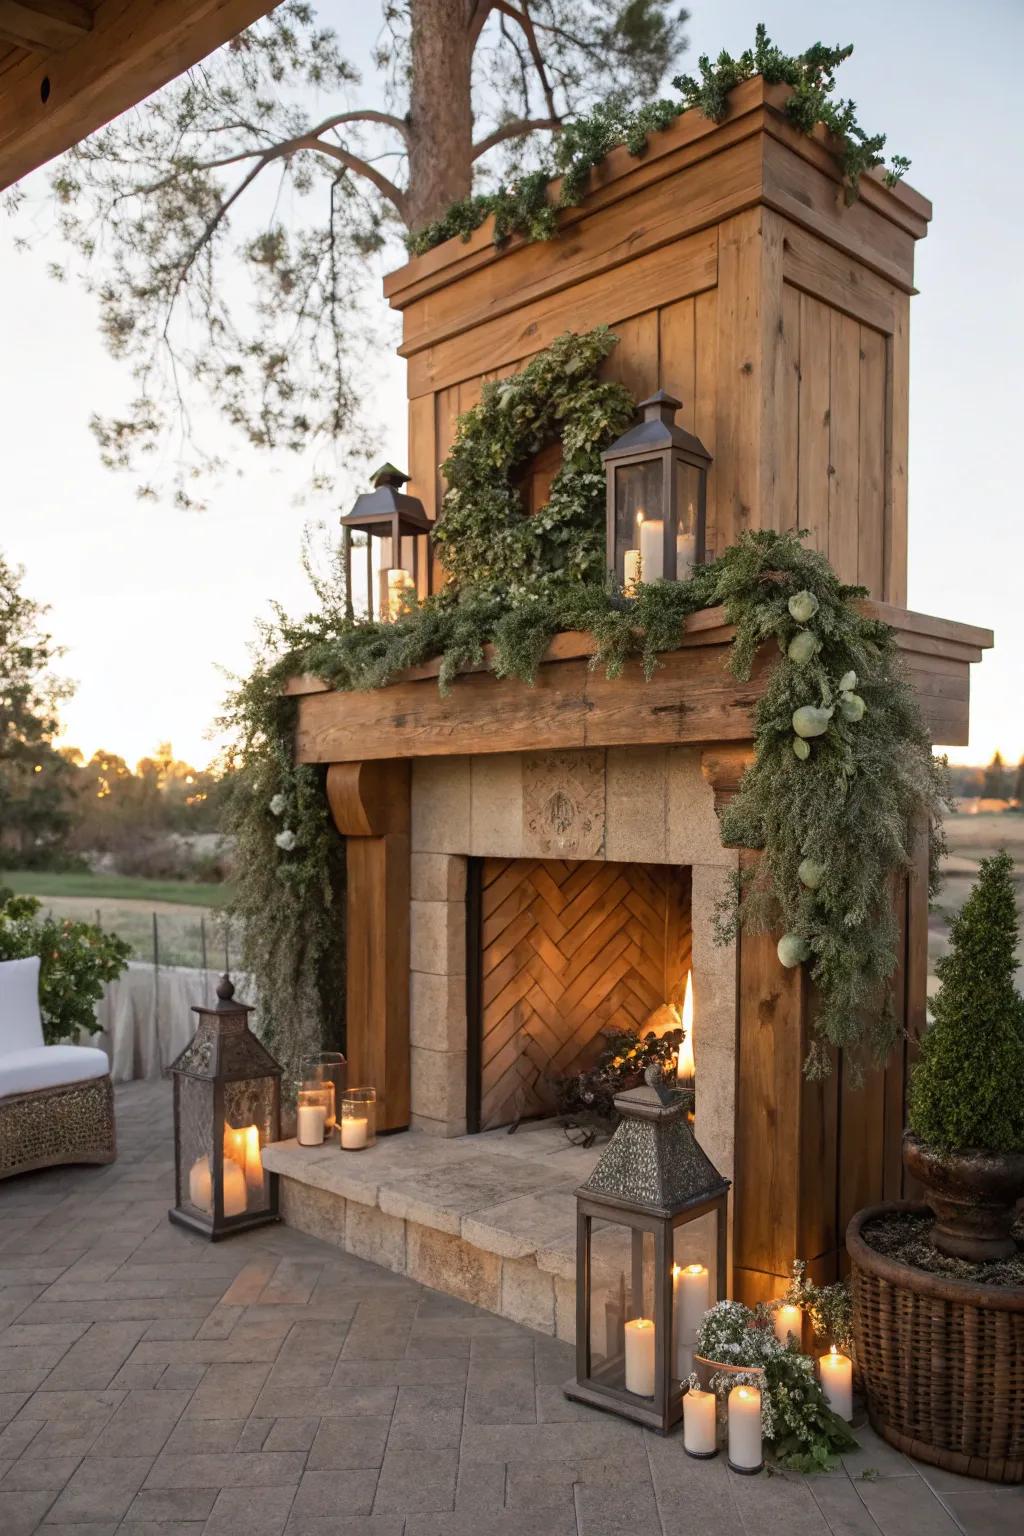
101,888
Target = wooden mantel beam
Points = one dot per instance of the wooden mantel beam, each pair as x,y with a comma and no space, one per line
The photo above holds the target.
96,62
44,26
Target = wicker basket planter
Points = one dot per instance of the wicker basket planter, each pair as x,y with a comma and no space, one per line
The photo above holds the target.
941,1360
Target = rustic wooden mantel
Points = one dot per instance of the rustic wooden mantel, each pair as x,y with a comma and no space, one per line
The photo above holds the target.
692,698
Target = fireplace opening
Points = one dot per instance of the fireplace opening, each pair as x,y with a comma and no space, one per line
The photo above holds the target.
559,951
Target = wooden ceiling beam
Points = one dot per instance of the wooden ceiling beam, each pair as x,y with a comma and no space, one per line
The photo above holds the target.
52,100
44,26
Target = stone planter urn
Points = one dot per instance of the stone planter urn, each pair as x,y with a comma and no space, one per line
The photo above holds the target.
941,1360
973,1195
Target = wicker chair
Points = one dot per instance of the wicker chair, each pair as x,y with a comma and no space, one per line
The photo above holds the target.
56,1101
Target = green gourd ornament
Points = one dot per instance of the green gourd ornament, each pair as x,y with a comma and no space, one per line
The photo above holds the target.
810,720
847,682
792,950
803,648
852,706
810,873
803,606
801,748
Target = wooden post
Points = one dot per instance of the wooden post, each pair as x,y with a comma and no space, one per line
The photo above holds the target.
370,804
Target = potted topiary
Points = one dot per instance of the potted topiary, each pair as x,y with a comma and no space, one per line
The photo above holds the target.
965,1141
938,1289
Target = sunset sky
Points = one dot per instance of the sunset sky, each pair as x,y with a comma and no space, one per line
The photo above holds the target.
153,604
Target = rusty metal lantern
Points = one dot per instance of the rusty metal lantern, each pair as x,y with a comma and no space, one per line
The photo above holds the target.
227,1108
650,1259
657,497
395,523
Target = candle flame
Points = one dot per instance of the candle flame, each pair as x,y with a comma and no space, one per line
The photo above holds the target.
685,1067
676,1271
833,1350
695,1269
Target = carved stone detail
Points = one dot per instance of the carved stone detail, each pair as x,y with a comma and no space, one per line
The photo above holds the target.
564,804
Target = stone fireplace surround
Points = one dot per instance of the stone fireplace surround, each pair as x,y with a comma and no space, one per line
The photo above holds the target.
644,805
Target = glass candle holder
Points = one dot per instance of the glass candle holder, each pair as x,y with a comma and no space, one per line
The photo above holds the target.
326,1067
358,1119
314,1102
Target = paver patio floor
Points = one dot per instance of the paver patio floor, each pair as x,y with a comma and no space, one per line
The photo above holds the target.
152,1384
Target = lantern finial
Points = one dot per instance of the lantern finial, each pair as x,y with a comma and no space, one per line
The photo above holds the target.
225,991
661,406
388,474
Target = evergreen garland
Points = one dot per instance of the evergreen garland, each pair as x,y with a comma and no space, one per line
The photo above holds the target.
834,801
525,206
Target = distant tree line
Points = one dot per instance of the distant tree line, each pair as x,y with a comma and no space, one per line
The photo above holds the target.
999,781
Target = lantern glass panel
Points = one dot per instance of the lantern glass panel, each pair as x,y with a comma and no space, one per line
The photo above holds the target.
639,522
195,1143
694,1285
248,1126
688,489
623,1339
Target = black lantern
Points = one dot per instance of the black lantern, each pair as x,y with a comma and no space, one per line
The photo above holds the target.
650,1259
227,1108
657,492
394,523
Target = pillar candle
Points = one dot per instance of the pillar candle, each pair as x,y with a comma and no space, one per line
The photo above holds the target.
652,548
787,1320
640,1356
686,554
234,1188
631,570
398,585
837,1383
691,1297
354,1133
200,1185
311,1119
745,1454
253,1163
699,1435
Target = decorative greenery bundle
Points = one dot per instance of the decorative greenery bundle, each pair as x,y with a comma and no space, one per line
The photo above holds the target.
795,1418
967,1090
829,1307
76,959
525,207
587,1097
843,778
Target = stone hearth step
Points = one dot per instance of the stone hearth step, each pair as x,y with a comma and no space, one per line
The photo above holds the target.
489,1218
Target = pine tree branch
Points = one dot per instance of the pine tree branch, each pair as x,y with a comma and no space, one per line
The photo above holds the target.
512,129
524,21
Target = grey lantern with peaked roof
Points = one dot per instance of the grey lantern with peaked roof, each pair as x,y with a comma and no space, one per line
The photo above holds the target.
227,1108
650,1258
397,523
657,497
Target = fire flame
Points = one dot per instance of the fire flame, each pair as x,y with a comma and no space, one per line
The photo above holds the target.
685,1067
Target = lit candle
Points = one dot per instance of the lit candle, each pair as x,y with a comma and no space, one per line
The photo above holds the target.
652,551
200,1185
699,1435
685,1068
640,1356
788,1320
355,1132
837,1383
311,1119
235,1198
632,571
691,1297
745,1454
253,1163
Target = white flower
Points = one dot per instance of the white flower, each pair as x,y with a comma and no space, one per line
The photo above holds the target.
277,805
286,839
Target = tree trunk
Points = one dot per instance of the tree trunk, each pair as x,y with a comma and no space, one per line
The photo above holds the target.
440,109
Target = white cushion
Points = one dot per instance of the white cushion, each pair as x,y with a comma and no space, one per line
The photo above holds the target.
21,1027
50,1066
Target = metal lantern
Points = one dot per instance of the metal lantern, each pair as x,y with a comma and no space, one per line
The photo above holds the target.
650,1259
227,1108
395,523
657,492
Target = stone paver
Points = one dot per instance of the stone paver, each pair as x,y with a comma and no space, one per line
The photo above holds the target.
152,1384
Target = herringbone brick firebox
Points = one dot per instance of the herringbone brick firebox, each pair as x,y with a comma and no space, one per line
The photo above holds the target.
564,950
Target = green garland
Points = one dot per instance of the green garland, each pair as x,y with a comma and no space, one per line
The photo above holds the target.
835,809
525,207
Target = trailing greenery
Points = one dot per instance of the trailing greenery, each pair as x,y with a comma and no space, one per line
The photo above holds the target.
843,774
76,960
829,1307
587,1098
527,205
967,1089
795,1418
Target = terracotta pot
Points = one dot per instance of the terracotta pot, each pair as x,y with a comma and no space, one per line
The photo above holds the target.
705,1369
973,1195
